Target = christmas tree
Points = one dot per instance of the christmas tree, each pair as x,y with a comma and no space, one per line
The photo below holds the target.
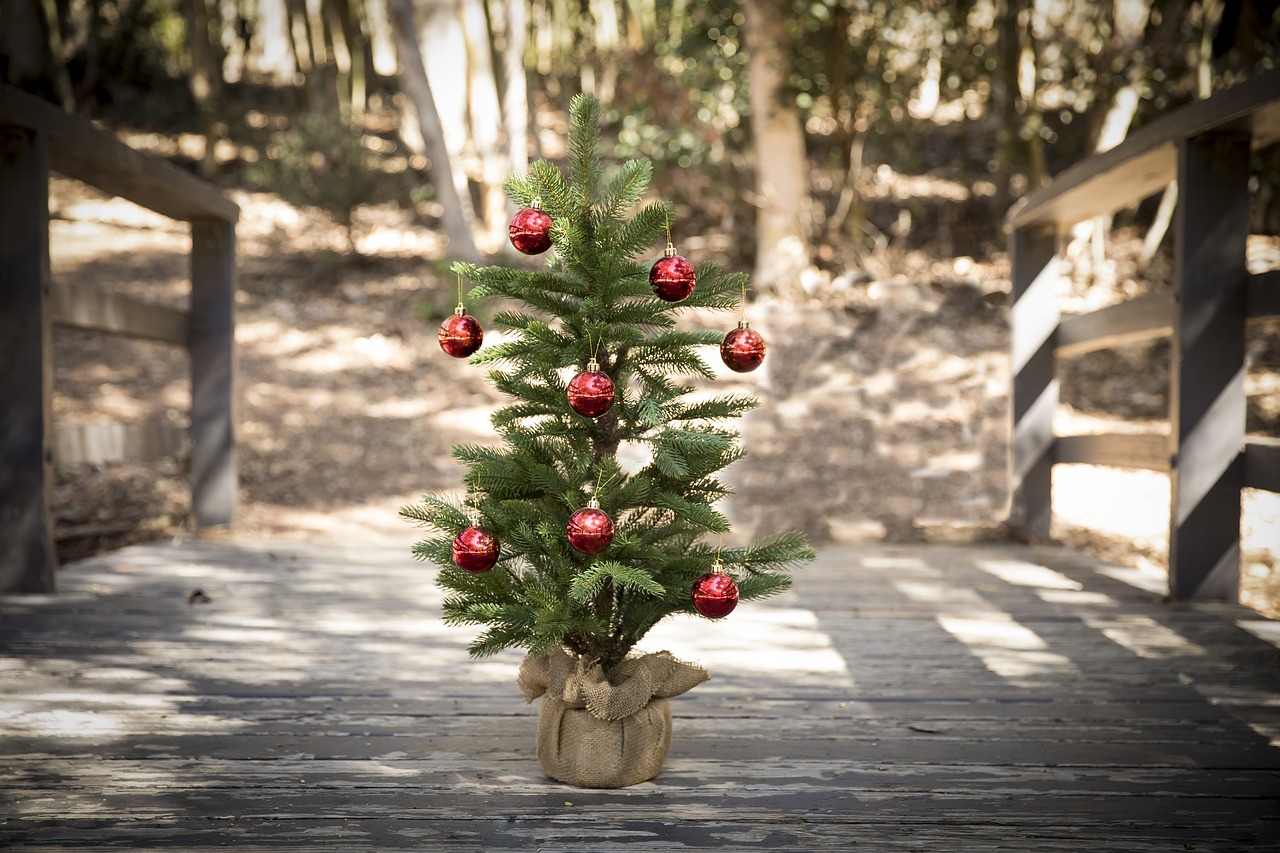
557,544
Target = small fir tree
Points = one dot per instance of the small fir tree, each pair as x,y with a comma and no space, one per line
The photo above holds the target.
593,301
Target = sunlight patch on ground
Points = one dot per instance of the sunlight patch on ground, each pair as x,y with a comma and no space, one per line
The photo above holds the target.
1007,648
754,639
1146,577
1268,632
1020,573
1144,636
1073,598
943,593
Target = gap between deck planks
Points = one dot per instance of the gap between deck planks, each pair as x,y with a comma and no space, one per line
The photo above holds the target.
927,698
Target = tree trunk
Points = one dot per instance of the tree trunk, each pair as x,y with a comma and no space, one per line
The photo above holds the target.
485,117
782,177
273,55
24,43
1005,93
413,79
515,84
205,80
442,44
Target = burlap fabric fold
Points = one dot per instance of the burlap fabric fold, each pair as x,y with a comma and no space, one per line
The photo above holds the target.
597,734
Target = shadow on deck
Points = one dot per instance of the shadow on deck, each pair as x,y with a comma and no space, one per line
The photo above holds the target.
899,698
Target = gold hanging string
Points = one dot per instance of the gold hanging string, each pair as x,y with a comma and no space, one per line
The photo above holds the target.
594,347
666,218
744,300
599,486
460,305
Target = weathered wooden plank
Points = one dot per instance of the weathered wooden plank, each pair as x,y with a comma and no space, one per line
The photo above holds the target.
79,150
108,442
1118,449
560,827
1207,394
1139,319
148,778
214,465
1146,162
1262,464
85,307
27,556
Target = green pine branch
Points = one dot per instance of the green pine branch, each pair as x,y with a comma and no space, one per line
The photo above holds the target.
592,298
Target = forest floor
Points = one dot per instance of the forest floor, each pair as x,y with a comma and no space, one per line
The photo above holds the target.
883,416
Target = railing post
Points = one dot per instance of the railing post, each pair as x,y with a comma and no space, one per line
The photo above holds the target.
1207,394
1035,387
214,475
27,555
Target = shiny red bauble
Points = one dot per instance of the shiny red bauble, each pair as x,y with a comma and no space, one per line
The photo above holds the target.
715,594
742,349
590,529
475,550
461,334
672,277
591,392
530,230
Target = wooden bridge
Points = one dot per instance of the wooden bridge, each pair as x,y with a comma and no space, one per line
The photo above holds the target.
224,694
289,697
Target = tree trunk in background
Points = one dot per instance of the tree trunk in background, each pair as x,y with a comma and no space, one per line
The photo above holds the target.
484,116
271,53
442,43
1005,84
782,174
24,42
413,79
515,84
350,17
205,79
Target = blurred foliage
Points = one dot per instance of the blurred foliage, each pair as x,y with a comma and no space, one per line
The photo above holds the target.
323,161
994,94
128,54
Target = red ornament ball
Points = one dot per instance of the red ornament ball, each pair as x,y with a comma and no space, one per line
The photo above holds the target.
672,277
742,349
530,230
590,529
591,392
715,594
475,550
461,334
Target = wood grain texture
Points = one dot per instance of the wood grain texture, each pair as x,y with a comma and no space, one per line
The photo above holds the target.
904,698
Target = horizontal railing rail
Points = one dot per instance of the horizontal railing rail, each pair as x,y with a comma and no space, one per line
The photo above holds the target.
36,139
1205,148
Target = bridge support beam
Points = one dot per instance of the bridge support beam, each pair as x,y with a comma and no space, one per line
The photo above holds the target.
1035,387
27,555
1207,394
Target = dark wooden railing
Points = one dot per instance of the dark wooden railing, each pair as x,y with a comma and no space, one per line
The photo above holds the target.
36,138
1206,148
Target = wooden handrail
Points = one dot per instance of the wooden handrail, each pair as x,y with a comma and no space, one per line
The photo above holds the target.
1146,162
79,150
35,139
1205,147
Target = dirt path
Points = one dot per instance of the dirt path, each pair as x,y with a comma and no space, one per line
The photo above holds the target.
883,407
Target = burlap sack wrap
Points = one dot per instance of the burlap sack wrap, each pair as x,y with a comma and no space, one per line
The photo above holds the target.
595,734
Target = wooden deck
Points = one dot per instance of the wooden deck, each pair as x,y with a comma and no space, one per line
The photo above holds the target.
900,698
